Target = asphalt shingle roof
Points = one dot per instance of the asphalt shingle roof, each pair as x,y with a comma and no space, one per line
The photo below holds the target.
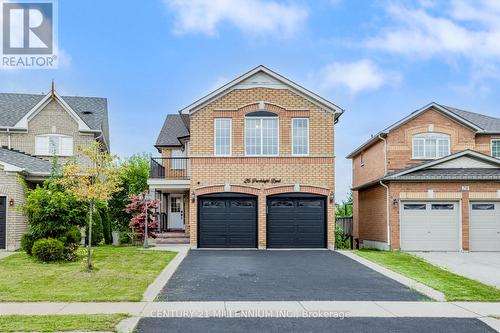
174,128
92,110
487,123
450,174
31,164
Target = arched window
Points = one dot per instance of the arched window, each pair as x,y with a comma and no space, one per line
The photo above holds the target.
430,145
261,134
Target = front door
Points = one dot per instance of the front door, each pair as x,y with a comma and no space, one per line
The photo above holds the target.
176,212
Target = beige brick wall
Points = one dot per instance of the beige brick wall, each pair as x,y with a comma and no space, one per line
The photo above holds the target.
11,188
53,119
314,173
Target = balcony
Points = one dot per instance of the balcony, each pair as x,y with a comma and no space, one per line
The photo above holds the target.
170,168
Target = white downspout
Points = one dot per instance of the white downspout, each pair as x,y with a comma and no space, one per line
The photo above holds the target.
9,139
388,195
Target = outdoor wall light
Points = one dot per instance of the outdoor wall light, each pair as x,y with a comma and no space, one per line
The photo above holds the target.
193,197
11,202
332,197
395,202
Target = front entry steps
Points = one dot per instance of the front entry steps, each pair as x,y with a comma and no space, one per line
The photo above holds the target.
172,237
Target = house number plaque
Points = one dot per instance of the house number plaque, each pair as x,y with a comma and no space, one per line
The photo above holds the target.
261,180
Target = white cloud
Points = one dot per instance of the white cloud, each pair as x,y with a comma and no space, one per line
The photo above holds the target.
254,17
356,77
470,29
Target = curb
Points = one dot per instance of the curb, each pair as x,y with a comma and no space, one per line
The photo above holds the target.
420,287
155,288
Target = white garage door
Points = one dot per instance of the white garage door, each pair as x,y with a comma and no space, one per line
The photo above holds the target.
430,226
484,226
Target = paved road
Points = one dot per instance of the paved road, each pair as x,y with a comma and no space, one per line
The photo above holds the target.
358,325
214,275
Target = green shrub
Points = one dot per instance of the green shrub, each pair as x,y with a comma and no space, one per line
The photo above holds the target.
340,243
97,232
106,225
27,242
48,249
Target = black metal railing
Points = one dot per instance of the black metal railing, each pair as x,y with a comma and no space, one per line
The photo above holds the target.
170,167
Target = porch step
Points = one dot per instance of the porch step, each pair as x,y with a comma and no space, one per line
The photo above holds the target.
172,237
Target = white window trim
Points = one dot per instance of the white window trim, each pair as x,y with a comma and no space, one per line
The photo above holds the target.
491,146
56,135
230,138
261,137
308,137
422,136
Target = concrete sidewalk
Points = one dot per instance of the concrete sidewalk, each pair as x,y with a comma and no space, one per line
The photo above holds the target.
269,309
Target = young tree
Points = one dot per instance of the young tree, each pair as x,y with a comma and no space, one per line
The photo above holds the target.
91,182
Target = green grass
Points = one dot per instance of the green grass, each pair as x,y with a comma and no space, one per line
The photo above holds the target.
453,286
60,323
122,274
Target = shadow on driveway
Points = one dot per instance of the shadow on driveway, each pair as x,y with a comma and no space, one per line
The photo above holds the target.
253,275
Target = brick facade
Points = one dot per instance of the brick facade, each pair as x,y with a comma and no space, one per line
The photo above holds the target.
370,201
314,173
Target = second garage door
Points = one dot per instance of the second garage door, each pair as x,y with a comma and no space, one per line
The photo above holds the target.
430,226
484,226
296,222
227,222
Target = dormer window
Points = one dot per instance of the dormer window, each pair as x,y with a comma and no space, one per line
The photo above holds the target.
427,146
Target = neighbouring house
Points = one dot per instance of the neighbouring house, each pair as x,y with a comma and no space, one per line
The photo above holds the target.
430,182
249,165
35,128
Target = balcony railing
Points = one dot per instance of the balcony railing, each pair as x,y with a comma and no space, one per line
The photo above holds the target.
170,167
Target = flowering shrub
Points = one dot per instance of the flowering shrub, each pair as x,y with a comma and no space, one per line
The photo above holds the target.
136,208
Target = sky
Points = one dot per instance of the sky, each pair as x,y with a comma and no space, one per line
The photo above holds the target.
378,60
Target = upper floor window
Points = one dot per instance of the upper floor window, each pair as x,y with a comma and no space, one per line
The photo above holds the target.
53,144
430,145
222,137
261,134
495,148
178,159
300,136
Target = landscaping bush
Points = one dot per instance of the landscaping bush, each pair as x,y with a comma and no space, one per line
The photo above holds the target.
97,232
71,241
106,225
340,243
27,242
48,250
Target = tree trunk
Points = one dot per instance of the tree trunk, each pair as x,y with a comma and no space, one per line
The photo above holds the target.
89,252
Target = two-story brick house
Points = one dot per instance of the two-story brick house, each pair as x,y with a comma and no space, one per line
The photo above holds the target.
249,165
33,129
430,182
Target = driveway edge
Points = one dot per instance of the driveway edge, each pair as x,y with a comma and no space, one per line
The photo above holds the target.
420,287
154,288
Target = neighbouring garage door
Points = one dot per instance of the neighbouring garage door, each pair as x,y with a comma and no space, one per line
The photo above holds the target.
430,226
3,222
229,221
484,226
296,222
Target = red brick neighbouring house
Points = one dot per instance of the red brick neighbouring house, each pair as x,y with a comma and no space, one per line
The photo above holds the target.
430,182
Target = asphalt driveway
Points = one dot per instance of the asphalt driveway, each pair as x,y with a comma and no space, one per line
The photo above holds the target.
253,275
374,325
480,266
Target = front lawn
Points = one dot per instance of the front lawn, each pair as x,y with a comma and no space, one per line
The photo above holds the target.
60,323
122,274
453,286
